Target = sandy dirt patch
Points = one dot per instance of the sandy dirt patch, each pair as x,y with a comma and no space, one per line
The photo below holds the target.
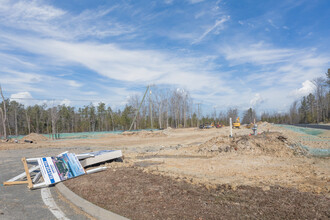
210,157
132,193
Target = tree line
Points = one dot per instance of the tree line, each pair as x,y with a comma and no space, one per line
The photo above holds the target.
313,108
162,108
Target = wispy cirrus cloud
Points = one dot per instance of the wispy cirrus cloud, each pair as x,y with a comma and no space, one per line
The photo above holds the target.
105,59
49,21
258,54
106,51
168,1
218,25
139,66
195,1
276,64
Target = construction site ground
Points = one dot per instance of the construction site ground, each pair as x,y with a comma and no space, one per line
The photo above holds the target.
203,173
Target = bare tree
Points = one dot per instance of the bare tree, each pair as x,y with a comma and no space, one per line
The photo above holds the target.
28,120
185,107
14,106
15,118
166,100
2,122
320,83
294,115
3,114
54,118
249,116
159,102
176,99
134,101
232,113
150,108
198,114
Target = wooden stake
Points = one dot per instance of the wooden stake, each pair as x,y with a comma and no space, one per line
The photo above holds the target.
14,183
28,177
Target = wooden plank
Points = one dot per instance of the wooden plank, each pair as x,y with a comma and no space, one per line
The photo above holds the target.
14,183
28,177
101,156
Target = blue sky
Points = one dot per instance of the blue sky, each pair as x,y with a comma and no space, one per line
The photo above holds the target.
247,53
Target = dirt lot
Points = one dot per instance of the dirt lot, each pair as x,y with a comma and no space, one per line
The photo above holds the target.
135,194
272,164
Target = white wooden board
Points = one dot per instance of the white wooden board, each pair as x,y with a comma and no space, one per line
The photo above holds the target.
101,156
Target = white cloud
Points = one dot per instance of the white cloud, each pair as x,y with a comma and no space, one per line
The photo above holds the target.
138,66
218,24
21,95
65,102
168,2
276,66
57,43
24,98
46,20
259,54
20,81
55,37
307,87
74,83
195,1
27,10
270,21
6,59
256,100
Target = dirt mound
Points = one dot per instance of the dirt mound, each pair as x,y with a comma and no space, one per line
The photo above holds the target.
144,134
34,137
167,131
265,125
270,143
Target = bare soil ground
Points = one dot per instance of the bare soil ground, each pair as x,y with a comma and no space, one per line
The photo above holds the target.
132,193
209,156
271,165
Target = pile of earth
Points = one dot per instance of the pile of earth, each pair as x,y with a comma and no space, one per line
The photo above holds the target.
144,134
269,143
167,131
265,126
34,137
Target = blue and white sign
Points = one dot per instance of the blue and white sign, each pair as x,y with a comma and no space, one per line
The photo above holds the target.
48,170
57,169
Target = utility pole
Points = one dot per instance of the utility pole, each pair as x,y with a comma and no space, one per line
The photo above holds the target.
150,109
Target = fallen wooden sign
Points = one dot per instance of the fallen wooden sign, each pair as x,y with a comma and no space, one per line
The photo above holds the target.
62,167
